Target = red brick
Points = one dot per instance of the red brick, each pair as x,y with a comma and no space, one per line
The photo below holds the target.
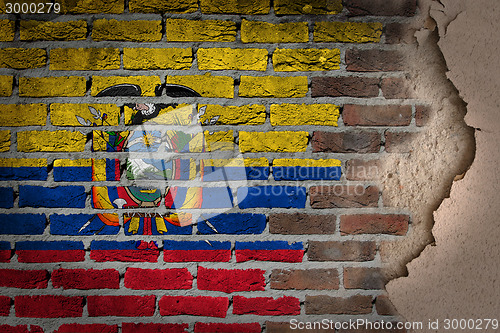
346,142
396,88
24,279
400,142
316,279
227,328
398,33
151,279
381,7
354,305
230,280
20,329
384,306
344,86
376,115
374,60
343,196
301,224
363,278
357,169
86,279
84,328
154,328
422,115
392,224
194,306
341,251
266,306
122,306
48,306
5,305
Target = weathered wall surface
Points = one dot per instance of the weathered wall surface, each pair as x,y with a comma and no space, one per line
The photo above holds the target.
457,277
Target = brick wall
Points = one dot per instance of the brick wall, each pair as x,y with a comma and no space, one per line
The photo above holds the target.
304,98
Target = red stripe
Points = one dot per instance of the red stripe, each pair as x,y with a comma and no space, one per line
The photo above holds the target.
177,166
5,255
270,255
117,169
196,255
147,226
50,255
125,255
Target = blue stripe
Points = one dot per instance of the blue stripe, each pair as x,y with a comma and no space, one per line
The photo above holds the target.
305,173
185,167
199,245
212,174
41,245
57,197
112,245
217,197
23,173
271,197
71,224
268,245
232,223
110,169
171,228
6,197
73,174
4,246
22,224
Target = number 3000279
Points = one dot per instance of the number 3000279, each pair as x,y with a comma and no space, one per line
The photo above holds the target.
32,8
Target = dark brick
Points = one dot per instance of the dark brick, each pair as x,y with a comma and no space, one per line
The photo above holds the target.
341,251
381,7
374,60
396,88
24,279
384,306
398,33
399,142
422,115
392,224
363,169
343,196
323,304
317,279
363,278
301,224
376,115
346,142
344,86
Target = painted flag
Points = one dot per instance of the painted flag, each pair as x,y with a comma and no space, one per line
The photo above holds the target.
57,251
109,141
181,142
84,224
22,224
272,197
156,224
176,169
6,197
198,197
185,251
5,251
129,251
23,169
109,197
232,224
234,169
306,169
86,170
269,251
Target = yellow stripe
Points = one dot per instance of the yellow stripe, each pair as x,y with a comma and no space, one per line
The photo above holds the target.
305,162
237,162
98,169
101,197
82,162
192,168
193,198
23,162
160,225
